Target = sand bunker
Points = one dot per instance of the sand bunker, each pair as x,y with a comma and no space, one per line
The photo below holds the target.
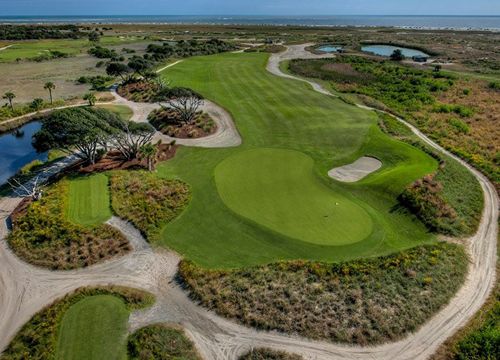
356,171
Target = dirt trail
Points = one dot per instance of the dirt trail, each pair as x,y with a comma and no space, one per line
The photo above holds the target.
26,289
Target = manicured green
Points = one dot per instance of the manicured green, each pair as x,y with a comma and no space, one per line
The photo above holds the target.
124,112
32,48
94,328
271,112
88,200
277,188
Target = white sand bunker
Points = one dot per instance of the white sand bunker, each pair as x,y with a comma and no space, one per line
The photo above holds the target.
356,171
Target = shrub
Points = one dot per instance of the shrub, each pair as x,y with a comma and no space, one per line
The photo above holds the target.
366,301
459,125
102,52
162,343
268,354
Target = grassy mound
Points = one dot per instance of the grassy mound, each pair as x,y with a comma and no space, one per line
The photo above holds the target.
160,342
146,201
38,338
268,354
277,188
268,115
360,302
45,237
88,200
93,328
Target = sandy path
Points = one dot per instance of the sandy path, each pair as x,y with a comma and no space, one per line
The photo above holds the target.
6,47
26,289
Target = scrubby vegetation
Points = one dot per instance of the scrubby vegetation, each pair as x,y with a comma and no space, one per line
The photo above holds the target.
268,354
32,32
463,122
448,201
147,201
37,339
168,122
363,302
43,236
183,49
102,52
6,112
160,342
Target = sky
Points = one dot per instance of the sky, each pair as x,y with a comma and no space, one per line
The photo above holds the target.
249,7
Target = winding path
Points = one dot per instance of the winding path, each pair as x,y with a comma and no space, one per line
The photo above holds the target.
26,289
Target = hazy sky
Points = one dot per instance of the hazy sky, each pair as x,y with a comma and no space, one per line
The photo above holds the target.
249,7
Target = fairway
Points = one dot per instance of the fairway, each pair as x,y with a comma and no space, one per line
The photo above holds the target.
238,217
88,200
277,188
94,328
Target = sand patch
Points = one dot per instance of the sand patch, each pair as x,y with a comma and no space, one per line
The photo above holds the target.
355,171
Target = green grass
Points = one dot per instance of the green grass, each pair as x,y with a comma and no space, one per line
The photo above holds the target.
33,48
122,111
94,328
271,112
277,188
88,200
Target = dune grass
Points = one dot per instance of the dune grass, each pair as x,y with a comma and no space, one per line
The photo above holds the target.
88,200
271,112
94,328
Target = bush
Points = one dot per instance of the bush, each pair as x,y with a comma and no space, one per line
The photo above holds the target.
160,342
146,201
368,301
37,339
102,53
268,354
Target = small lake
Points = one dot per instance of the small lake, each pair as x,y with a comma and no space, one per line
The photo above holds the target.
17,151
387,50
329,48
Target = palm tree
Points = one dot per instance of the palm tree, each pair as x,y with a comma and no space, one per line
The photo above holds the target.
149,152
49,86
90,97
10,96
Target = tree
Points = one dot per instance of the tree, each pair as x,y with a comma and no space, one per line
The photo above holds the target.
397,55
9,96
36,104
139,65
149,151
186,106
437,68
49,86
131,137
91,98
94,37
117,69
82,128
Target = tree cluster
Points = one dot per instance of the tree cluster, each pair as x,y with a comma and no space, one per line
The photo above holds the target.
35,32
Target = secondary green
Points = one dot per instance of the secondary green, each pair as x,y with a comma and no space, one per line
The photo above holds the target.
273,187
94,328
275,113
88,201
122,111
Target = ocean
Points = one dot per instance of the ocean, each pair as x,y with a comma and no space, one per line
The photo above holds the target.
412,22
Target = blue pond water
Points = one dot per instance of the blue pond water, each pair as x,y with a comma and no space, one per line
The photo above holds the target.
387,50
17,151
329,48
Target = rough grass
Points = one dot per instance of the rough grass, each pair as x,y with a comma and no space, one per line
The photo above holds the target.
88,200
38,338
268,354
93,328
268,115
161,342
146,201
44,237
360,302
277,188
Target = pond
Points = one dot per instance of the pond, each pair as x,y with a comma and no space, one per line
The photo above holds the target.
387,50
16,150
329,48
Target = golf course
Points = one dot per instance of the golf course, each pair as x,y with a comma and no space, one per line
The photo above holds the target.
270,198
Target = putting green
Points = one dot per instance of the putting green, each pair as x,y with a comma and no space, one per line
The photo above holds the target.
94,328
278,189
88,201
